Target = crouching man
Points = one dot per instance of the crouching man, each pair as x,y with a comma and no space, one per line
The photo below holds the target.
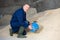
19,23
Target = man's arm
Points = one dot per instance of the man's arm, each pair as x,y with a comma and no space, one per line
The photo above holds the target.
21,21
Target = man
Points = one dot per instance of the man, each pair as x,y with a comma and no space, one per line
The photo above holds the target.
19,22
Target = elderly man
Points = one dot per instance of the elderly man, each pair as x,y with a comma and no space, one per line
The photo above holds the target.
19,22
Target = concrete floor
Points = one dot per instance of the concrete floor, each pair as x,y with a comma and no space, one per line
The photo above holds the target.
50,23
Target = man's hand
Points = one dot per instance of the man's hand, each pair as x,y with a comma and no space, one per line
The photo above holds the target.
30,27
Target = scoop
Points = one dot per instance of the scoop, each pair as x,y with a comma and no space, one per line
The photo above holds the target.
35,27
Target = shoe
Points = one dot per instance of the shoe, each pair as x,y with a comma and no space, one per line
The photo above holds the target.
21,36
21,30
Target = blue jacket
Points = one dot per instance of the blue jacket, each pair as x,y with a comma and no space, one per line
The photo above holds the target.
18,19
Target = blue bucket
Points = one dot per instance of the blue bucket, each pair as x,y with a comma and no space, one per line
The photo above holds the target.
35,27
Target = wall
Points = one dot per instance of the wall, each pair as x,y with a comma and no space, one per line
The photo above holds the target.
8,7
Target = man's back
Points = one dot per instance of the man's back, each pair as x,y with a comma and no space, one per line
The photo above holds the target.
17,18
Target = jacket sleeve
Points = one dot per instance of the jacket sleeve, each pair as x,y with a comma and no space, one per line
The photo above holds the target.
21,21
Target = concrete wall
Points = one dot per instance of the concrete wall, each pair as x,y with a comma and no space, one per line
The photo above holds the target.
8,7
51,4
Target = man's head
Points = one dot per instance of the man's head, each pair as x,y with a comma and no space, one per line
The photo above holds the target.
26,7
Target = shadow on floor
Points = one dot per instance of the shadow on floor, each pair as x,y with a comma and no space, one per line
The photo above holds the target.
40,29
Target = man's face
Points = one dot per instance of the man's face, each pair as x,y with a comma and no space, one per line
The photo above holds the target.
26,7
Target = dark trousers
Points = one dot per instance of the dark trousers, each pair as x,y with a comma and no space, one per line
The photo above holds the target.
15,29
